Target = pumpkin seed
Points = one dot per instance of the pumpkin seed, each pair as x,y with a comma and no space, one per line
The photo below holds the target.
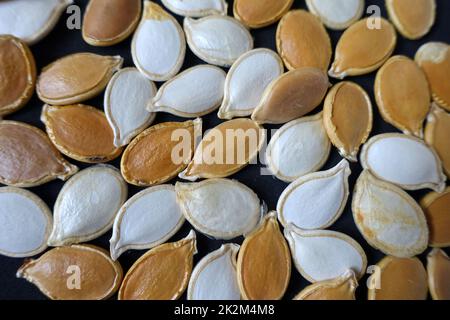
151,157
341,288
146,220
196,9
337,14
321,255
302,41
258,14
403,160
355,53
100,276
291,96
126,99
298,148
217,39
193,93
25,223
439,274
316,200
76,78
28,158
399,279
162,273
225,150
159,45
17,75
258,279
80,132
220,208
403,95
246,81
413,19
30,20
87,205
434,59
435,205
437,132
348,118
109,22
214,277
388,218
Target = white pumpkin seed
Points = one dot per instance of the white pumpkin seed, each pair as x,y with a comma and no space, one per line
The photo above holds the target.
87,205
220,208
146,220
317,200
217,39
193,93
298,148
247,80
324,255
30,20
403,160
388,218
25,223
337,14
126,98
159,45
195,8
214,277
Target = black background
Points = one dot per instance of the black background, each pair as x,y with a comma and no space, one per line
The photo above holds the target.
62,41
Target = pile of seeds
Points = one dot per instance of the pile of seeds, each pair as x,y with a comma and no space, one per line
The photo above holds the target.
248,88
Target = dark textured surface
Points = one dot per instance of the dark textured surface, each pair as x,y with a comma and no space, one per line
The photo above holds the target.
62,41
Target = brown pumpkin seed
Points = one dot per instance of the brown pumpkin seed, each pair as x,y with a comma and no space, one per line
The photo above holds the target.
258,279
148,160
17,74
399,279
435,206
438,268
258,14
437,132
348,118
108,22
292,96
162,273
55,273
76,78
302,41
80,132
356,53
28,158
403,95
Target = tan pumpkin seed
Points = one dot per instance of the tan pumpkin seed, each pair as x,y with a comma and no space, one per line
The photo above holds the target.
348,118
17,74
434,59
225,150
258,14
76,78
355,52
162,273
437,133
438,268
302,41
258,279
108,22
291,96
28,158
435,205
342,288
80,132
412,18
148,160
398,279
53,273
